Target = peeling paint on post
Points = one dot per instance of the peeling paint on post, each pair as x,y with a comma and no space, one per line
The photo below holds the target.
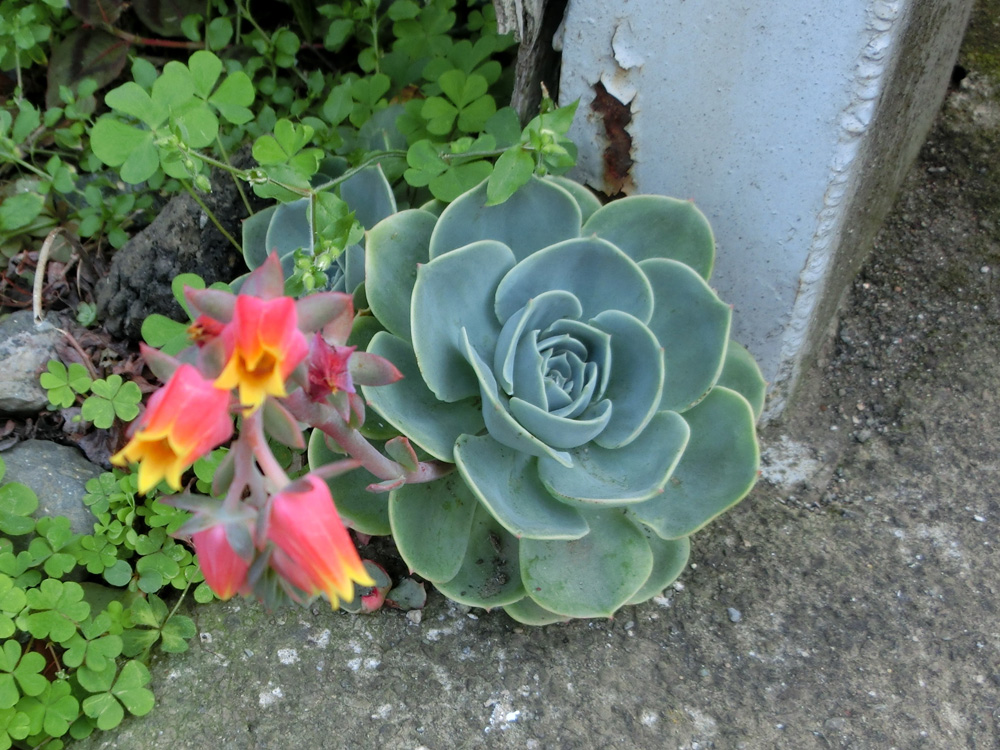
790,136
617,173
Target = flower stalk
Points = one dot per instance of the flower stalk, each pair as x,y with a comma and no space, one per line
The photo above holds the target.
267,530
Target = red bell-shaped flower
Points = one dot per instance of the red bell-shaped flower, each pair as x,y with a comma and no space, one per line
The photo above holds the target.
305,526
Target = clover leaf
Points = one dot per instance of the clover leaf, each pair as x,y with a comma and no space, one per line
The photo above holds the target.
17,503
19,673
111,398
14,725
58,607
63,384
53,710
12,601
113,696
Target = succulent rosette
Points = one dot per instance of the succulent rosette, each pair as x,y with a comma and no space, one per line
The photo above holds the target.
573,363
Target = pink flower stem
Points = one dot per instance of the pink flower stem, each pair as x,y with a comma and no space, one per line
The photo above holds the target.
253,433
245,477
327,419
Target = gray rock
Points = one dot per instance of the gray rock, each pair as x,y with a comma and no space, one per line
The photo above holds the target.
24,352
181,239
58,475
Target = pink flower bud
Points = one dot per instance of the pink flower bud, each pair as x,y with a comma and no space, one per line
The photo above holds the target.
225,571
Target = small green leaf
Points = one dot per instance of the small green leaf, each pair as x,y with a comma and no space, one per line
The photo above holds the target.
130,690
111,398
205,69
513,170
219,33
17,503
440,115
176,633
18,211
197,124
105,709
53,710
233,97
118,574
165,334
64,384
14,724
133,100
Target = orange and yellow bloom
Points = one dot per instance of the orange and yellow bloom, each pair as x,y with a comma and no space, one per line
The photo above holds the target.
263,346
317,551
184,420
224,570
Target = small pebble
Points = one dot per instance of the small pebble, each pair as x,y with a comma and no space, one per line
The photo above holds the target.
734,614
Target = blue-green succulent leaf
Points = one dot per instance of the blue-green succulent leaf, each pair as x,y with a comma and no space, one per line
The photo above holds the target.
669,558
393,249
431,524
255,250
631,474
536,216
636,383
412,409
290,229
562,432
600,275
364,511
507,483
538,313
584,198
654,226
692,324
742,374
717,470
348,271
368,194
592,576
490,574
452,298
597,346
529,612
499,423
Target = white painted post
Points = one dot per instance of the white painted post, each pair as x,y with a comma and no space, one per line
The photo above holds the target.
790,123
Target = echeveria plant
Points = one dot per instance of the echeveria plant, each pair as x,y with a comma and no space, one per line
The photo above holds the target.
574,365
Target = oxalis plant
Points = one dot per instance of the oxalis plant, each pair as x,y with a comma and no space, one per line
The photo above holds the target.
539,400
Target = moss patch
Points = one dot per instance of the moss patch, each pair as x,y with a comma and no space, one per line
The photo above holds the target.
981,48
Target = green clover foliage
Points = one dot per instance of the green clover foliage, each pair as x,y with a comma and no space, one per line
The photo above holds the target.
63,384
113,694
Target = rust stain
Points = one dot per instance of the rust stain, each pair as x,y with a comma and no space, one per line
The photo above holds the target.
618,149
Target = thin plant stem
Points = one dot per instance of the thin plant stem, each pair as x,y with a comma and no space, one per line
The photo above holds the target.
180,600
208,212
373,159
236,181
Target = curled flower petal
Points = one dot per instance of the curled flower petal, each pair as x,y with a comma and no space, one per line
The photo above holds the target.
204,330
305,527
184,420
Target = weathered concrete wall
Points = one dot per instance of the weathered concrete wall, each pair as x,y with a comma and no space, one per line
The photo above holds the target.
789,124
